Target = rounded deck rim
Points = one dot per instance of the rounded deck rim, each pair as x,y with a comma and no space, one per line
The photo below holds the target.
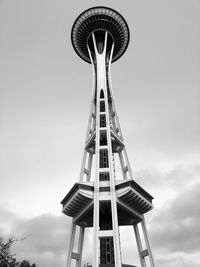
81,54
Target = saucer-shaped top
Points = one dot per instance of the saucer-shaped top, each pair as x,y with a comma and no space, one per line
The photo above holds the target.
97,19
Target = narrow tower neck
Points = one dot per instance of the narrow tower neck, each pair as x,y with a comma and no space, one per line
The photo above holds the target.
100,60
100,46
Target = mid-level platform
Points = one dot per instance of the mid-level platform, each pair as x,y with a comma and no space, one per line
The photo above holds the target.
132,202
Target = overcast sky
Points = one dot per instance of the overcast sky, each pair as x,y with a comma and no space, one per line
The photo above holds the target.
45,92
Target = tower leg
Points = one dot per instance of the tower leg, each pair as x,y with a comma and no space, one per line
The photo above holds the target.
80,246
139,245
95,256
71,244
121,159
89,167
117,252
146,238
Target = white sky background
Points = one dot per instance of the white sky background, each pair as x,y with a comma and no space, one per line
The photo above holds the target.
45,92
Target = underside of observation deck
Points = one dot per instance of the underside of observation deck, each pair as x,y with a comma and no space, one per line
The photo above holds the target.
132,202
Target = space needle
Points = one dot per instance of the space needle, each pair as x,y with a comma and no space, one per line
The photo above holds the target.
104,199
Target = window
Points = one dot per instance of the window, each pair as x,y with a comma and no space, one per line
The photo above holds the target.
103,160
104,176
102,106
102,120
101,94
103,138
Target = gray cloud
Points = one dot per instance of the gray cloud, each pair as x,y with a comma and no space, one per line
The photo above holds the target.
46,237
46,233
176,178
174,225
177,261
176,228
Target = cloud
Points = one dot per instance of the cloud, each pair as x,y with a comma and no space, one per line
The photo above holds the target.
7,221
46,242
177,177
175,229
46,237
177,260
175,221
45,232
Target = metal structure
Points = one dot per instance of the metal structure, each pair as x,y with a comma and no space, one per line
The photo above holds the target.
102,199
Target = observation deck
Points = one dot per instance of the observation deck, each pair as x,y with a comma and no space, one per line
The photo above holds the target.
98,19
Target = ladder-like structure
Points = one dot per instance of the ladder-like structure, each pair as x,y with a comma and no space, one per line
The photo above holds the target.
103,199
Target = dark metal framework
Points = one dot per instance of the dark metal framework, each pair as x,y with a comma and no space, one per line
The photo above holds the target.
97,19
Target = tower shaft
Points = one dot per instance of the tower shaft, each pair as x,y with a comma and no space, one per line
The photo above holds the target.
104,160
